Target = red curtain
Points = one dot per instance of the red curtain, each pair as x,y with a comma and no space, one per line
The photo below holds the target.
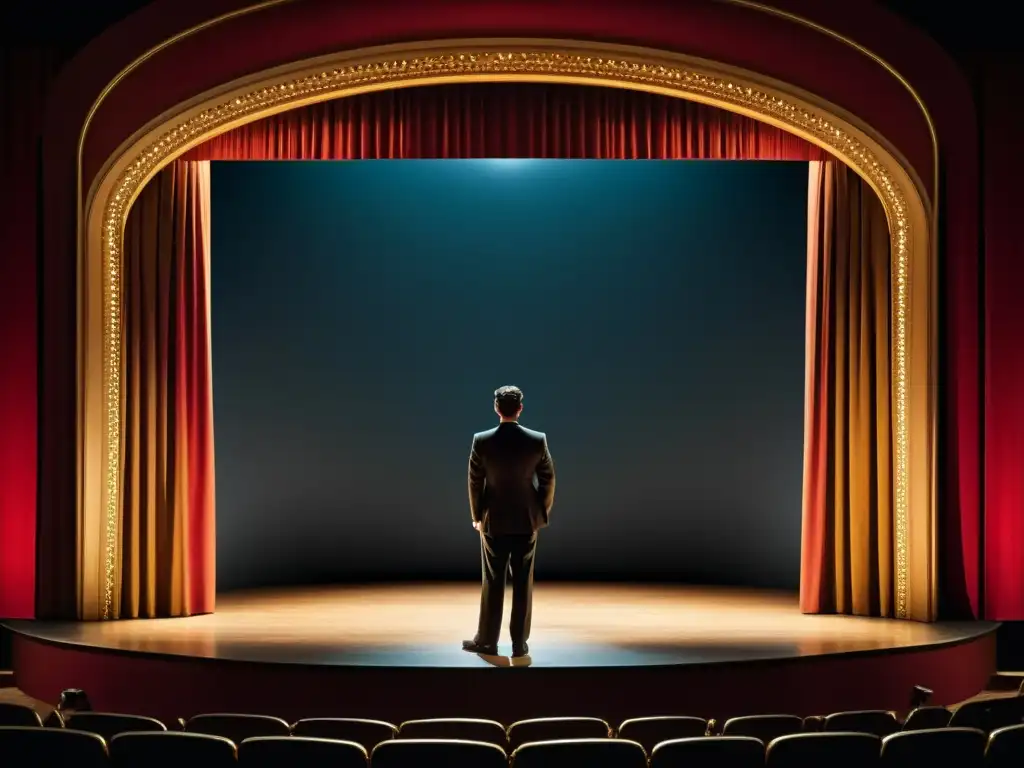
167,557
1002,540
847,533
25,74
507,120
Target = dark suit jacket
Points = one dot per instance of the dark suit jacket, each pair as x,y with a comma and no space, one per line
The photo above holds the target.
502,466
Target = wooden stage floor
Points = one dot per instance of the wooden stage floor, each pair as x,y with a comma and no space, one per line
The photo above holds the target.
394,653
602,625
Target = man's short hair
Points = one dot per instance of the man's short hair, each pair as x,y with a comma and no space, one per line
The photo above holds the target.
508,400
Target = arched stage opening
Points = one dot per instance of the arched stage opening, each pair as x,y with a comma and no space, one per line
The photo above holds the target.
904,200
114,177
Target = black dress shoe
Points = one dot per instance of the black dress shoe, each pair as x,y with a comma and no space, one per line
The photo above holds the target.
474,647
520,649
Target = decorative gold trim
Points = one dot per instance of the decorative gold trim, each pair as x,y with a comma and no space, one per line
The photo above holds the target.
546,61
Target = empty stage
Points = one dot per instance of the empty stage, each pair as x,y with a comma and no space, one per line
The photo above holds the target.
613,651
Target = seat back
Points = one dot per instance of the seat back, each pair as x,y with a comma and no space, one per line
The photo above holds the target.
300,752
709,752
924,718
763,727
171,749
19,715
874,721
556,728
1005,747
972,714
369,733
404,753
651,731
109,725
813,724
962,747
813,750
53,720
989,714
580,753
238,728
464,729
32,746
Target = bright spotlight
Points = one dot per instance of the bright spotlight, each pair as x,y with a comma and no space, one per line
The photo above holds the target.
508,163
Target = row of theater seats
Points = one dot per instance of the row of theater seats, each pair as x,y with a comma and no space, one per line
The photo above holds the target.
664,741
954,747
987,715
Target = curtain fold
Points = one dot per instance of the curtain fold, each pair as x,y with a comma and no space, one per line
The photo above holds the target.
847,548
166,563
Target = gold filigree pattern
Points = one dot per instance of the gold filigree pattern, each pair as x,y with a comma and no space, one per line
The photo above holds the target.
564,66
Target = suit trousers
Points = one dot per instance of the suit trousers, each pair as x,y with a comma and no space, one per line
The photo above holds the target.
500,554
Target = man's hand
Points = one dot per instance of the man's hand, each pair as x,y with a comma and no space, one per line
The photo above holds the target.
476,526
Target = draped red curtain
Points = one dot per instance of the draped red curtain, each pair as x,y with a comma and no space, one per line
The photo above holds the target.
507,120
847,532
167,534
1002,531
26,72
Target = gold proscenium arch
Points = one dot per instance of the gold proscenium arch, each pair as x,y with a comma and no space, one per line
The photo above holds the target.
902,193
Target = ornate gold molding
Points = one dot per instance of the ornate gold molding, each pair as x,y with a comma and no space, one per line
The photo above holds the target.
901,193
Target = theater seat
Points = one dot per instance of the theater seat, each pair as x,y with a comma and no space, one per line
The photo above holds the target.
972,714
238,728
465,729
553,728
924,718
300,752
35,747
109,725
437,753
763,727
829,750
580,753
960,747
171,749
1005,747
369,733
989,714
651,731
19,715
709,752
874,721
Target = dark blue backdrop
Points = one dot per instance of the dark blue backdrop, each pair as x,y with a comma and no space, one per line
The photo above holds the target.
364,312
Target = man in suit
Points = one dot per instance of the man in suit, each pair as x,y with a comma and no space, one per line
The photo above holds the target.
511,491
